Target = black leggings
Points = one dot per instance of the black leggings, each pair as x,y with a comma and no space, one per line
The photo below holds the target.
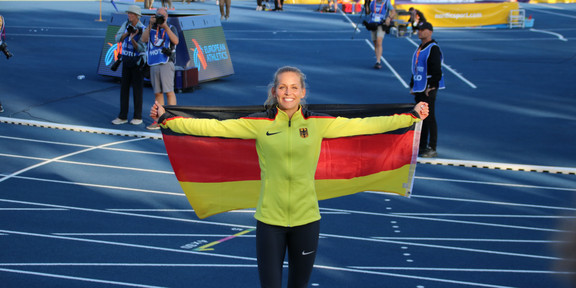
271,244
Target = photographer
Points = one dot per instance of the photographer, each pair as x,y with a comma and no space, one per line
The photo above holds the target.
162,39
129,35
381,14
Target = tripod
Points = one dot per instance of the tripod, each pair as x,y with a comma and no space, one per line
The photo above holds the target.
362,12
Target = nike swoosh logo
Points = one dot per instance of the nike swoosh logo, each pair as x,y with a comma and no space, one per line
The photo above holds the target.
304,253
270,134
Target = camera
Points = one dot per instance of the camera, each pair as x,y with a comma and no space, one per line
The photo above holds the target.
167,51
4,49
114,66
131,29
160,19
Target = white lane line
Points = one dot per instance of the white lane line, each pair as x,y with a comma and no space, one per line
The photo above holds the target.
473,284
461,270
405,243
79,145
560,36
496,184
113,243
447,220
64,156
497,203
550,12
77,278
130,214
449,69
389,66
470,240
133,264
100,186
88,164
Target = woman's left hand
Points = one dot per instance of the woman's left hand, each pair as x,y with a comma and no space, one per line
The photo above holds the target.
422,109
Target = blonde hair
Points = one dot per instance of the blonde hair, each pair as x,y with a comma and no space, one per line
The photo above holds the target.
272,101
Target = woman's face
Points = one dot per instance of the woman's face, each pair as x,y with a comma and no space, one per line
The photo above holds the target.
289,92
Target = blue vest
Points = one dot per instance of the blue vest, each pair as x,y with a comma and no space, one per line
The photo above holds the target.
128,49
379,11
420,69
158,40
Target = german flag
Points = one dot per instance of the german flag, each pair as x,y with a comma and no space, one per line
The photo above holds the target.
223,174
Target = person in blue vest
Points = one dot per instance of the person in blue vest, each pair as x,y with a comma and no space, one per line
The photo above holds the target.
427,79
161,39
381,13
129,35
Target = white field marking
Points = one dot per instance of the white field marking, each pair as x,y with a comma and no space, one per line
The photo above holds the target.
100,186
474,284
32,209
50,275
460,270
151,235
497,203
130,214
389,66
113,243
553,13
53,35
81,145
153,210
64,156
496,184
487,215
77,128
449,68
447,220
246,258
373,239
469,240
354,25
485,183
89,164
243,226
560,36
499,166
133,264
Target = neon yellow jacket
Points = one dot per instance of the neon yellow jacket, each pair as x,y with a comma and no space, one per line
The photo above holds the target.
288,152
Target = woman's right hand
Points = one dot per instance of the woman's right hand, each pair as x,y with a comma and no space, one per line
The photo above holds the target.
156,111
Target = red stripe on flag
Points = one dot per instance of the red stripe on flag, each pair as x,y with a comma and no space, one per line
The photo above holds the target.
350,157
208,159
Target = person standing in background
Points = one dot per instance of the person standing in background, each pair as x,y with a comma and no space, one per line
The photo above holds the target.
416,17
161,39
224,9
129,35
426,79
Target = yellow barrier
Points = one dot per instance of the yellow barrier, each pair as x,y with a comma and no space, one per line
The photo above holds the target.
464,14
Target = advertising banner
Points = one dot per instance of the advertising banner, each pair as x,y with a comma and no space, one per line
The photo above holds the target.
202,45
463,14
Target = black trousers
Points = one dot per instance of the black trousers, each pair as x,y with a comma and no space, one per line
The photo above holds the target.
131,77
271,245
429,136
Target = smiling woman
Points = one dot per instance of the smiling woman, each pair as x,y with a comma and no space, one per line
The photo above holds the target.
288,90
288,139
